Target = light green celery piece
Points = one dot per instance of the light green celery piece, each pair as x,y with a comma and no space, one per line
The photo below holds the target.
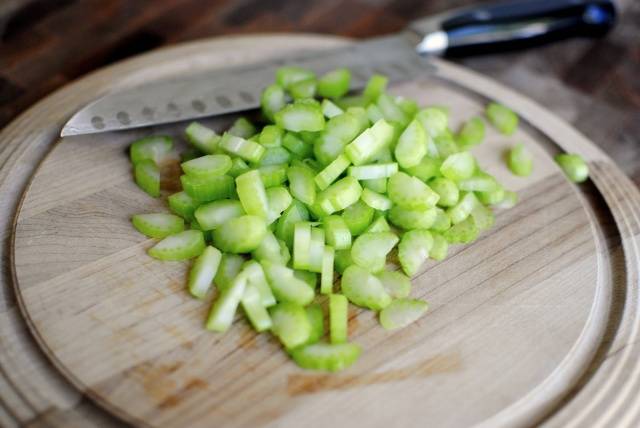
238,167
446,189
442,221
290,324
439,248
296,145
364,289
338,318
370,250
520,161
337,233
213,214
242,128
492,197
412,145
326,275
433,120
228,269
502,118
376,86
409,192
240,235
412,219
147,177
463,208
303,89
463,232
509,200
271,136
252,194
338,132
480,182
331,172
210,188
202,138
275,156
376,200
316,212
286,76
269,250
203,271
340,195
374,171
183,205
342,260
369,142
302,184
395,283
378,225
471,134
316,250
413,250
482,217
245,149
334,84
273,99
157,225
446,145
573,166
300,116
426,169
286,286
326,357
361,116
402,312
207,166
409,106
152,149
273,175
296,213
330,110
180,246
378,185
224,307
390,110
256,277
458,166
254,309
278,199
316,319
309,278
301,245
374,113
285,254
358,217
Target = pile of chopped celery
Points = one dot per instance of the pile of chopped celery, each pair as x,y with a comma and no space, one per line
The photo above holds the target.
325,185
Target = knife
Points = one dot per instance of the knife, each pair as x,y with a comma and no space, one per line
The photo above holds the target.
484,29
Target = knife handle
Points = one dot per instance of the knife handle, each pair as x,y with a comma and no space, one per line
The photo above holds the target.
513,25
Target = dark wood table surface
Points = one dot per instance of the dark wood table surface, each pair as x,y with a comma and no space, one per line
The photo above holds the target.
594,84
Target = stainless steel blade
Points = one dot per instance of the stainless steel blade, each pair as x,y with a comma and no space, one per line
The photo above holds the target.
238,89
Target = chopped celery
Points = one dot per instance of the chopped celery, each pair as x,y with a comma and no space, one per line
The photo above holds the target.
245,149
378,225
242,128
480,182
157,225
309,278
275,156
271,136
445,145
573,166
337,233
378,185
520,161
330,110
426,169
300,117
210,188
413,250
358,217
147,176
439,248
224,307
458,166
316,319
228,269
152,149
301,245
509,200
296,145
290,324
409,106
463,232
360,114
278,199
331,172
374,113
202,138
316,250
369,142
390,110
180,246
296,213
412,145
339,131
463,208
286,286
238,167
491,197
375,200
402,312
412,219
326,277
334,84
482,217
342,260
340,195
240,235
442,221
373,172
471,133
207,166
286,76
370,250
256,312
203,271
302,184
503,118
433,120
273,175
303,89
269,250
328,357
273,100
363,289
409,192
447,190
338,318
213,214
256,277
252,194
395,283
376,85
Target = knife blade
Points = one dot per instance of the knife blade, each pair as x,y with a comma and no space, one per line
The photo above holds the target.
487,28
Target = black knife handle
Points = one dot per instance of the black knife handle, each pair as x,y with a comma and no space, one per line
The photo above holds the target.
513,25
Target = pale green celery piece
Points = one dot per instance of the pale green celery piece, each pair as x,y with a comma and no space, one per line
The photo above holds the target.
228,269
480,182
180,246
252,194
412,219
210,188
273,175
296,213
374,113
337,232
326,276
203,271
352,101
446,189
238,167
492,197
255,138
213,214
573,166
224,307
426,169
390,110
157,225
482,217
442,221
316,319
402,312
502,118
338,132
395,283
378,185
202,138
376,86
242,128
342,260
445,145
458,166
334,84
520,161
256,278
433,120
376,200
300,116
364,289
361,116
316,212
413,250
338,318
340,195
331,172
409,192
152,149
275,156
409,106
273,99
358,217
290,324
296,145
471,134
301,245
302,184
269,250
288,75
254,309
374,171
147,177
439,248
463,208
370,250
286,286
245,149
285,254
326,357
303,89
271,136
309,278
412,145
207,166
369,142
316,250
330,110
278,199
463,232
509,200
240,235
378,225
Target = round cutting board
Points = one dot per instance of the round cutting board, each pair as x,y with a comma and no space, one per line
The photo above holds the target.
536,321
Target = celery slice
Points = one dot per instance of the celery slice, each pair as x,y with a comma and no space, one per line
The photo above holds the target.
339,131
378,225
337,234
316,250
463,232
302,184
279,199
183,205
152,149
300,116
273,99
275,156
442,221
409,192
327,357
224,307
238,167
256,277
509,200
326,275
334,84
390,110
376,85
240,235
331,172
402,312
330,110
269,250
573,166
316,319
409,106
273,175
242,128
370,250
439,248
296,145
213,214
412,219
338,318
369,142
433,120
147,176
412,145
342,260
372,172
426,169
208,189
286,76
309,278
252,194
203,271
446,145
378,185
471,133
207,166
340,195
463,208
520,161
447,190
480,182
245,149
364,289
360,114
413,250
296,213
202,138
374,113
482,217
395,283
301,245
157,225
358,217
254,309
180,246
376,201
503,118
228,269
271,136
285,286
492,197
458,166
303,89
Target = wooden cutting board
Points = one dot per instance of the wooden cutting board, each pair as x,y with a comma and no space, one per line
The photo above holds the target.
535,322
